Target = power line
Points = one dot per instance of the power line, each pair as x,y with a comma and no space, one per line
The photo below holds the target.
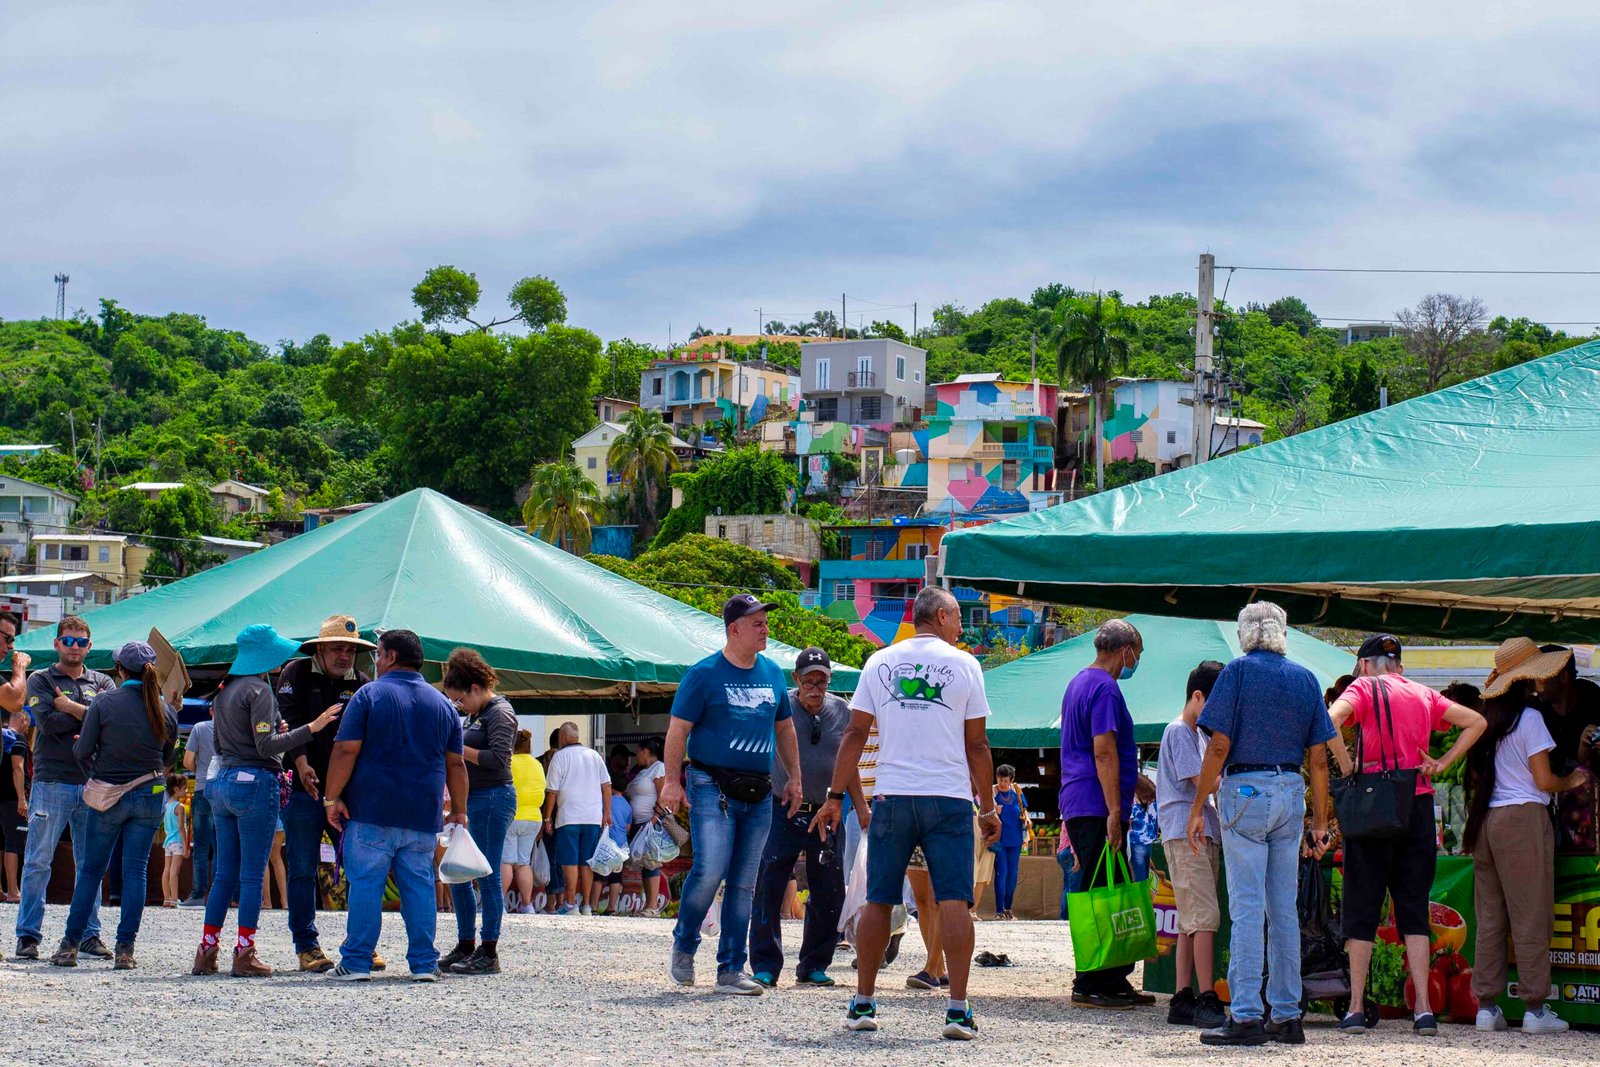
1410,270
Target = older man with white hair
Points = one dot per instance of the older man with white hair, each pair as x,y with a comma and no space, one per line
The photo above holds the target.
1265,717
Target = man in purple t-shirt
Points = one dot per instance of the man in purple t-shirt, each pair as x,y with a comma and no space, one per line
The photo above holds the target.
1099,764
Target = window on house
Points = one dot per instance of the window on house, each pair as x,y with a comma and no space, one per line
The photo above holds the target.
1008,474
1172,437
75,554
871,407
974,614
52,551
916,376
916,552
828,409
722,531
822,374
874,549
105,555
55,590
864,366
1014,615
844,590
769,529
594,463
899,368
1136,436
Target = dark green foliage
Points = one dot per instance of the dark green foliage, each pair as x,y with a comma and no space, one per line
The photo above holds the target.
743,481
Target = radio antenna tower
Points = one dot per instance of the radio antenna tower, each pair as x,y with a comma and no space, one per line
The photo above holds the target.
61,295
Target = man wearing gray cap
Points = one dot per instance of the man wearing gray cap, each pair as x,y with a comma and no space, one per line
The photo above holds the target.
820,720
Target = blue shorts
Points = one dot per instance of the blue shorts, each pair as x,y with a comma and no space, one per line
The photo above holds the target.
575,844
940,826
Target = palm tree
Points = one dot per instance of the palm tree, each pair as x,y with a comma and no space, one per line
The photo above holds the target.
642,456
1092,338
562,506
726,430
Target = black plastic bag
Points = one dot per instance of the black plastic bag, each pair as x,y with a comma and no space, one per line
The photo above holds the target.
1321,947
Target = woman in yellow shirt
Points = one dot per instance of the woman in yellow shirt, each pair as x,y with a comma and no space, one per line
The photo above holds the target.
516,870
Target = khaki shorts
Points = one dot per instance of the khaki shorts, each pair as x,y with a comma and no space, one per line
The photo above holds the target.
1194,886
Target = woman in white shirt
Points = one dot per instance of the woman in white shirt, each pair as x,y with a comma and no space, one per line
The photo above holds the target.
1511,840
644,793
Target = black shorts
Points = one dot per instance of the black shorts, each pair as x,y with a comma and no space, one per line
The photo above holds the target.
16,829
1400,867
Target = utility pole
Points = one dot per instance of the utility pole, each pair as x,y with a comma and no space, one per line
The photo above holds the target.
844,319
761,325
1205,378
61,296
913,320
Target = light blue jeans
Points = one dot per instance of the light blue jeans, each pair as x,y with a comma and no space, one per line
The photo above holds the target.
729,837
52,808
1263,817
371,852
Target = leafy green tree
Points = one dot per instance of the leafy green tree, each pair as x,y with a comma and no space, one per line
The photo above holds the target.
1291,311
642,456
562,506
884,328
1515,353
621,365
1126,471
176,519
1092,338
741,481
448,294
279,411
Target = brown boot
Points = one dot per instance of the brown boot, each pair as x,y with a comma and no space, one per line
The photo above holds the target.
205,960
245,964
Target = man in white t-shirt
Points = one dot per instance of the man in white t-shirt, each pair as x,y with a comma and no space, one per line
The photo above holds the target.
578,792
926,698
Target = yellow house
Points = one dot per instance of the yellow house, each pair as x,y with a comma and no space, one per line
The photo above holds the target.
108,555
589,453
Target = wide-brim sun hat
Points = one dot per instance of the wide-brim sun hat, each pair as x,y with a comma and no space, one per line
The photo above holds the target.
1518,659
262,649
336,630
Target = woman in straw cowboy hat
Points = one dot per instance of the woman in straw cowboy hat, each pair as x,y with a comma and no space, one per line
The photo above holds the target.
1509,783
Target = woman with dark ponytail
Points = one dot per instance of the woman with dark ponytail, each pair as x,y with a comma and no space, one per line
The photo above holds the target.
1509,836
127,741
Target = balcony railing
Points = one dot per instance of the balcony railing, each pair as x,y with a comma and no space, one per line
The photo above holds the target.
863,379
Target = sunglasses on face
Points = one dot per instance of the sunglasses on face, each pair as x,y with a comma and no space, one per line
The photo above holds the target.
73,642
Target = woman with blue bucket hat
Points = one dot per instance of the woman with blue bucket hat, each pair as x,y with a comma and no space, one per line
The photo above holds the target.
244,793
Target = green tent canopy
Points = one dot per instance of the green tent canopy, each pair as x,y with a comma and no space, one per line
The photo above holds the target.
550,623
1471,512
1025,694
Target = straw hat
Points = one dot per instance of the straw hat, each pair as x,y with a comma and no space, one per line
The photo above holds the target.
337,629
1519,659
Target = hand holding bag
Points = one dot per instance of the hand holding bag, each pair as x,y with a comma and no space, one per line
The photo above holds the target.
1376,805
1115,924
463,861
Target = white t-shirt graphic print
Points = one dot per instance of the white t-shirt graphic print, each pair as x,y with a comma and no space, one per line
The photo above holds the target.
922,691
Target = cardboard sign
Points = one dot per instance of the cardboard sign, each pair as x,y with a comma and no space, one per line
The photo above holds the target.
170,669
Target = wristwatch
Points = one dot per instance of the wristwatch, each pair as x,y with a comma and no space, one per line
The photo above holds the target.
832,795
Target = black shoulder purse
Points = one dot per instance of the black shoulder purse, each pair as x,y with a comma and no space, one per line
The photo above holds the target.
1376,805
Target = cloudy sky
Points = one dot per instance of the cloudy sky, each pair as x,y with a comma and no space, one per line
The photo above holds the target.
296,169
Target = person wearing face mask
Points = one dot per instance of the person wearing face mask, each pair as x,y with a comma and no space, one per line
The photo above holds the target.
1099,768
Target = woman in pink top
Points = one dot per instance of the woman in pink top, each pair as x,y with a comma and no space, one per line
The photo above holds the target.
1395,716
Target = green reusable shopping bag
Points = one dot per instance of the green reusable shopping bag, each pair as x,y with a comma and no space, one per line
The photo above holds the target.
1112,925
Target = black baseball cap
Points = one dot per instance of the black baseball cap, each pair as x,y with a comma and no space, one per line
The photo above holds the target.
810,660
737,607
1379,645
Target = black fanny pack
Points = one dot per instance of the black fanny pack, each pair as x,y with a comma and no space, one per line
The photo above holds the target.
745,786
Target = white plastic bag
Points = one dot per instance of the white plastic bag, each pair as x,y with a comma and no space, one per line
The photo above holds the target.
608,856
855,894
653,848
463,861
712,926
540,863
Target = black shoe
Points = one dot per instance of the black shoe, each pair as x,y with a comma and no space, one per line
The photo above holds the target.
1180,1009
1426,1025
477,963
893,950
1209,1012
460,954
1108,1001
1354,1023
1235,1032
27,948
1139,999
96,948
1291,1032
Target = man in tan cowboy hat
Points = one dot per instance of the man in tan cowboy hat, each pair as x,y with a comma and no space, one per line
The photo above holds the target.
306,688
1571,707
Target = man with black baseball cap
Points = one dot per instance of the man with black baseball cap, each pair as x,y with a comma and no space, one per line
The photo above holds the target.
820,719
730,715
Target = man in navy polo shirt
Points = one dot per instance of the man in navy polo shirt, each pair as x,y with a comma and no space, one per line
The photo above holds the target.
398,748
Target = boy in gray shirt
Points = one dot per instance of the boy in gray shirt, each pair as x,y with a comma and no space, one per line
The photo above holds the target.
1194,874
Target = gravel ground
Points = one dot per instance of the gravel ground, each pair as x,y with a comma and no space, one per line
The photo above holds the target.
595,990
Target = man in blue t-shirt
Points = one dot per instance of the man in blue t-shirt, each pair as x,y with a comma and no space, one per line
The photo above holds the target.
730,715
398,749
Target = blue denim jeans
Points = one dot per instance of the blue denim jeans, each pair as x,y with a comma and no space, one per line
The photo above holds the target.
489,815
52,807
203,838
244,804
1007,865
1263,815
787,841
133,820
371,852
303,824
728,837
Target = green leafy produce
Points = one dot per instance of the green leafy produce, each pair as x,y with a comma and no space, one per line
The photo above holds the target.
1441,744
1386,980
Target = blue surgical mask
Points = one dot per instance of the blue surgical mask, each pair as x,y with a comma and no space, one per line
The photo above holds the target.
1127,672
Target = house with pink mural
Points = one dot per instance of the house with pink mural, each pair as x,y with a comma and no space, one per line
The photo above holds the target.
1153,419
990,446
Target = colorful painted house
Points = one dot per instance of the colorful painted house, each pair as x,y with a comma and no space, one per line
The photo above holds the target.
990,446
696,388
888,564
1153,419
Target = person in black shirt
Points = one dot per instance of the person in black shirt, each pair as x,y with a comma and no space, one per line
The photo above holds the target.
327,678
1571,705
487,741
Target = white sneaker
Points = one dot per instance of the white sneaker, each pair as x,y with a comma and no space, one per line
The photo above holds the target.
1544,1021
1491,1018
567,909
586,910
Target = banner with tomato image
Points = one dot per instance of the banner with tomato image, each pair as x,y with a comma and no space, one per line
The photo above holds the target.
1450,951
